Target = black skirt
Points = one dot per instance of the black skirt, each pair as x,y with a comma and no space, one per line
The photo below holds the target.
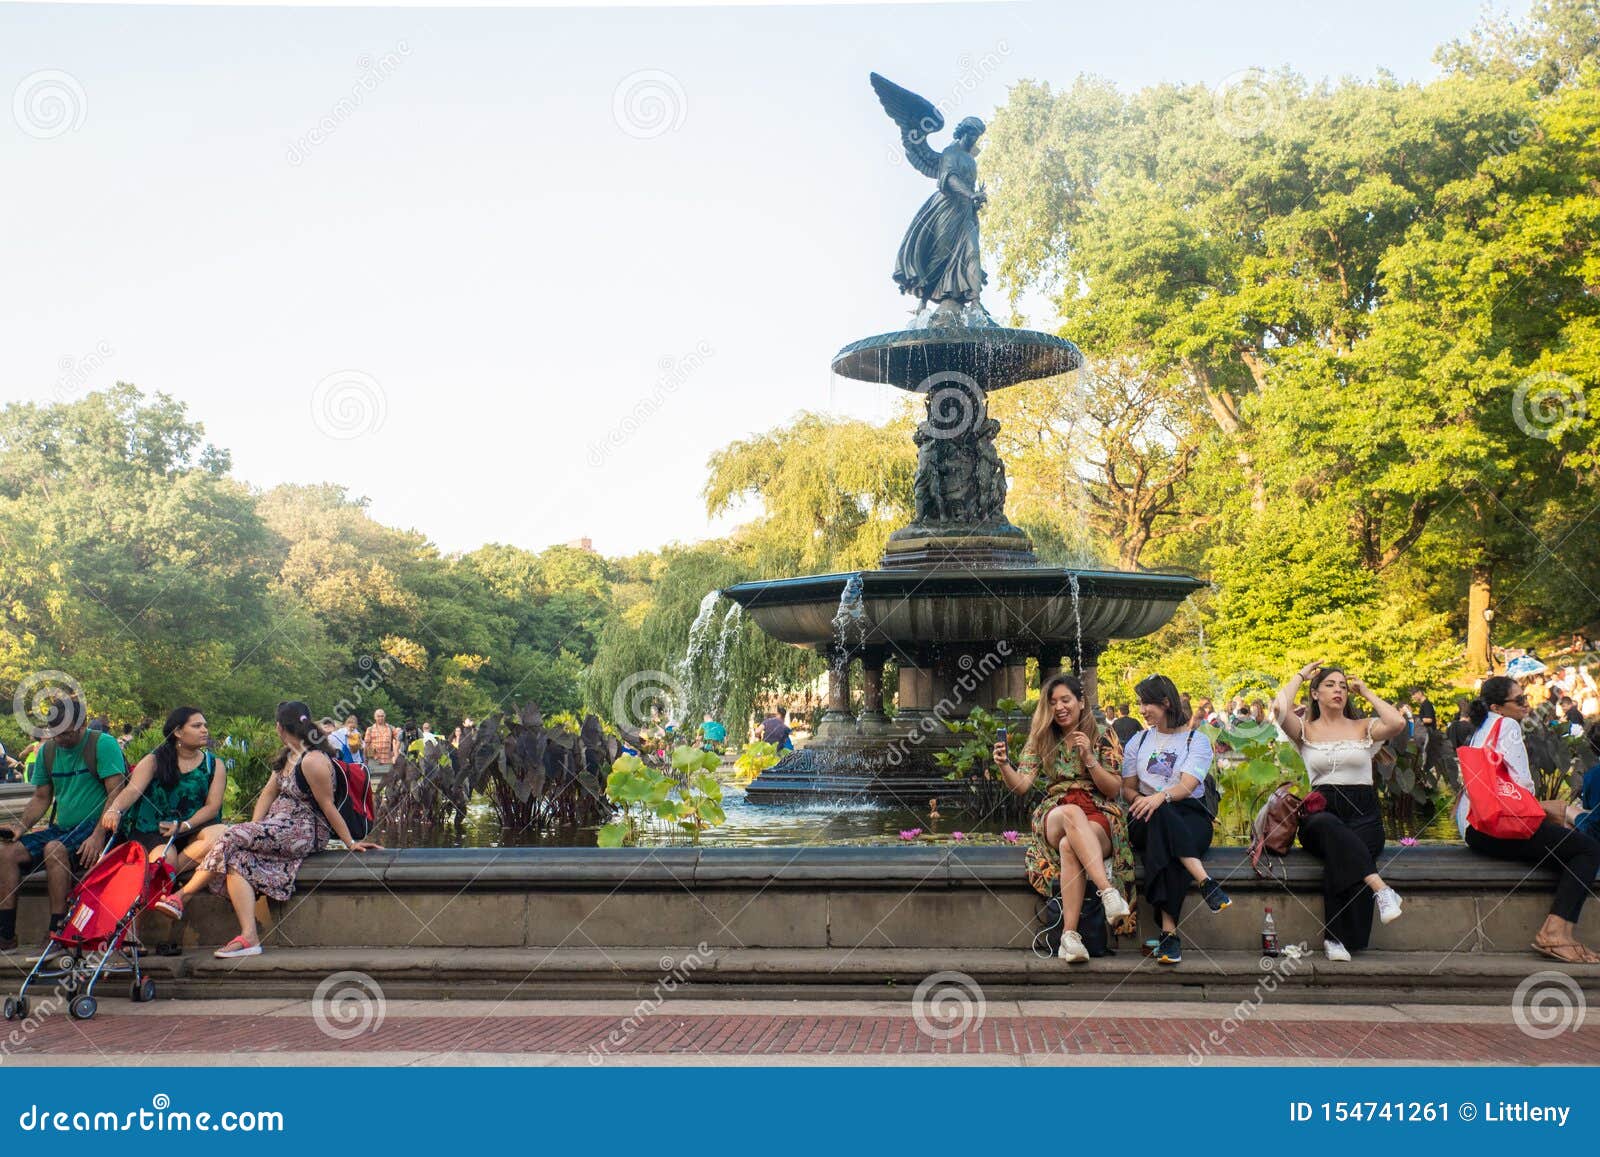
1173,831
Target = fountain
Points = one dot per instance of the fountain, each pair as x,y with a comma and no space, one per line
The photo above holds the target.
959,602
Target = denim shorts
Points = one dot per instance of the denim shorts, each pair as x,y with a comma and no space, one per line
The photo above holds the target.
69,838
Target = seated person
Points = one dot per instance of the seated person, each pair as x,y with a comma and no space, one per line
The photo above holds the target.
73,774
173,797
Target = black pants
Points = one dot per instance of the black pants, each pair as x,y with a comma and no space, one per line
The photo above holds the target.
1173,830
1574,857
1347,838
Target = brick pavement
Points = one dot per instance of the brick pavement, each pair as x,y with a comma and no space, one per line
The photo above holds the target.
735,1034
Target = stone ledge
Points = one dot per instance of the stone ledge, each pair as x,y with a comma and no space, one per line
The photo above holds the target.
882,974
1419,869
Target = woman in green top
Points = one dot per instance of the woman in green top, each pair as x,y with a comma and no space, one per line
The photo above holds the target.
174,793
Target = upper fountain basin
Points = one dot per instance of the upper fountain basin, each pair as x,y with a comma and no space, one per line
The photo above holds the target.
993,356
1029,606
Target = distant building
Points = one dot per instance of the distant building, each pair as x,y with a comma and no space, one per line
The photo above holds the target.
581,544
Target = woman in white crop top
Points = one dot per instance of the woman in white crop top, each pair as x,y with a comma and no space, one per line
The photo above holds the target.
1342,824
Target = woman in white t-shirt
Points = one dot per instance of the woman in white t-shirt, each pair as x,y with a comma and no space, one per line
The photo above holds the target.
1342,824
1164,772
1499,711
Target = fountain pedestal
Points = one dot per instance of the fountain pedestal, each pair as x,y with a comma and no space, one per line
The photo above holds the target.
959,601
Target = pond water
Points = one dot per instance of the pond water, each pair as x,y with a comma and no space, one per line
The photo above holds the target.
839,823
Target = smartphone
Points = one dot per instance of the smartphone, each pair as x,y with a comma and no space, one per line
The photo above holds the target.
1000,736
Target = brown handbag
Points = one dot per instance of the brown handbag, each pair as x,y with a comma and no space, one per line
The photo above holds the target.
1275,827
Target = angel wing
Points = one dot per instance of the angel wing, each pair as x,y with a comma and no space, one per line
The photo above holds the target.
917,118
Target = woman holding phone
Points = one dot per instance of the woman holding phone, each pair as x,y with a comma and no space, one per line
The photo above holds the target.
1078,825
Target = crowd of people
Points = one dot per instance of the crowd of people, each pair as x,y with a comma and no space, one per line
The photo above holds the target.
1146,788
1112,790
170,802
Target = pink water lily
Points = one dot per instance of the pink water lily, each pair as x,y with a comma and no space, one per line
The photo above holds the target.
1009,837
958,835
910,833
1408,842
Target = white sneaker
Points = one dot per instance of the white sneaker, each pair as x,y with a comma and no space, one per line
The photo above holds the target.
1116,907
1388,905
1072,949
1336,951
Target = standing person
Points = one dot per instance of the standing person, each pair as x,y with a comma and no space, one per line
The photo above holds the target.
1164,774
1499,710
382,743
1423,711
1077,825
713,735
775,731
1459,733
354,740
1124,725
74,771
294,817
1342,824
126,737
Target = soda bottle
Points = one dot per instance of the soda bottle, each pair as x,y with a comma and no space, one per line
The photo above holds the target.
1269,934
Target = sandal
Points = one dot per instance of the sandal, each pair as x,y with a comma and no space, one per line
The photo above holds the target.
1565,951
236,947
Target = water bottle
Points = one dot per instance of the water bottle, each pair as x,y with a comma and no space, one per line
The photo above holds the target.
1269,935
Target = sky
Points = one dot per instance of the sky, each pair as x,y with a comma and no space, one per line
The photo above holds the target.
513,274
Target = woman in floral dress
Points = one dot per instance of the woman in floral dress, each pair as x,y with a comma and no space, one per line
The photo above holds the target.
1079,824
264,856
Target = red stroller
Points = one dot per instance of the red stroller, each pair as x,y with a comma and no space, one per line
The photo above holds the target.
100,919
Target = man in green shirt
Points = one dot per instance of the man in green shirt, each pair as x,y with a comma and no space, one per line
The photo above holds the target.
77,780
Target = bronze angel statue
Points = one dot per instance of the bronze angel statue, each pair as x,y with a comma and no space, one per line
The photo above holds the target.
938,260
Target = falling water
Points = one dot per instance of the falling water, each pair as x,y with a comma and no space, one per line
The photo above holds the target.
725,637
699,633
850,621
1077,619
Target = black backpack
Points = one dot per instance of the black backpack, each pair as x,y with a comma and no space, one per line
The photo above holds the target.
1091,925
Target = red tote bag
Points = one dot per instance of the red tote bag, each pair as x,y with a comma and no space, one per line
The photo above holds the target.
1497,805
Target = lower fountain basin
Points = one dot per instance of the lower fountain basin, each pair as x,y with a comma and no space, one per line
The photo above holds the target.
1032,606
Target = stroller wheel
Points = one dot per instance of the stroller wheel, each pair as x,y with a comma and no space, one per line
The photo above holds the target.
83,1008
16,1008
142,991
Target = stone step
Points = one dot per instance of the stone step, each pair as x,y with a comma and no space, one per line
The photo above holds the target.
863,974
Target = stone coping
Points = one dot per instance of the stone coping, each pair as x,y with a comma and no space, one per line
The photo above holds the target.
1416,869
